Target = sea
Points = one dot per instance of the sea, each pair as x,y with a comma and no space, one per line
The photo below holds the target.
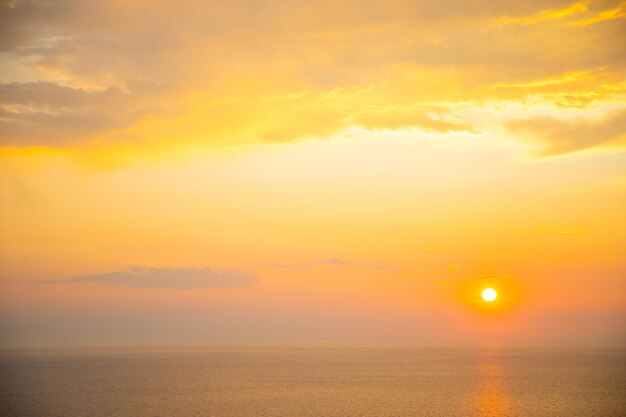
316,378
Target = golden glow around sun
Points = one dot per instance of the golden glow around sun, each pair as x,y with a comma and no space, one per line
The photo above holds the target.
489,295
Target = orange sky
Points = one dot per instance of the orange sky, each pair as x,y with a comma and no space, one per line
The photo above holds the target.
180,171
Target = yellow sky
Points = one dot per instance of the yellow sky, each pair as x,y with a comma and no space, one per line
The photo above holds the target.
268,169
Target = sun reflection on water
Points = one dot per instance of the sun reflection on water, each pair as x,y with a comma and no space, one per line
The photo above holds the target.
491,398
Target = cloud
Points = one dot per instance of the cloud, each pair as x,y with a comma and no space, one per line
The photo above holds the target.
564,136
182,278
336,262
274,71
34,113
313,264
541,16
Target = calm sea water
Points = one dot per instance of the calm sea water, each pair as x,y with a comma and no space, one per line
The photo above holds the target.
316,379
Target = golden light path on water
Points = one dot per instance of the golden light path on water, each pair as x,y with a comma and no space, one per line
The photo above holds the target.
491,398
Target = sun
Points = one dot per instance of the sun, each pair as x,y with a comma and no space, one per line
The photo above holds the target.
489,295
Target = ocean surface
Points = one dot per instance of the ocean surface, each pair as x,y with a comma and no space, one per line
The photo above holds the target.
315,379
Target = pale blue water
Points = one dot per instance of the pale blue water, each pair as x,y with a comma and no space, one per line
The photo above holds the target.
316,379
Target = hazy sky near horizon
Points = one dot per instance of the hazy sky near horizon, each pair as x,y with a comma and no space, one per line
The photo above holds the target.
174,171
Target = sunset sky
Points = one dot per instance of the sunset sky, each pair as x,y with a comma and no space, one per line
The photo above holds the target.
182,171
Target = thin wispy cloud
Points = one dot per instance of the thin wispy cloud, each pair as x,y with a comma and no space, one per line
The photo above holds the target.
331,262
564,136
180,278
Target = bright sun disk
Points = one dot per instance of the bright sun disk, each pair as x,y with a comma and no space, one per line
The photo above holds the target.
489,294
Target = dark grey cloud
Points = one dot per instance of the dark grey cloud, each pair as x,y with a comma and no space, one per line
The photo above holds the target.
49,113
23,22
564,136
181,278
53,96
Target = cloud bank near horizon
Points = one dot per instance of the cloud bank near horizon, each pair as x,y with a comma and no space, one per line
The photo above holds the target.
166,278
